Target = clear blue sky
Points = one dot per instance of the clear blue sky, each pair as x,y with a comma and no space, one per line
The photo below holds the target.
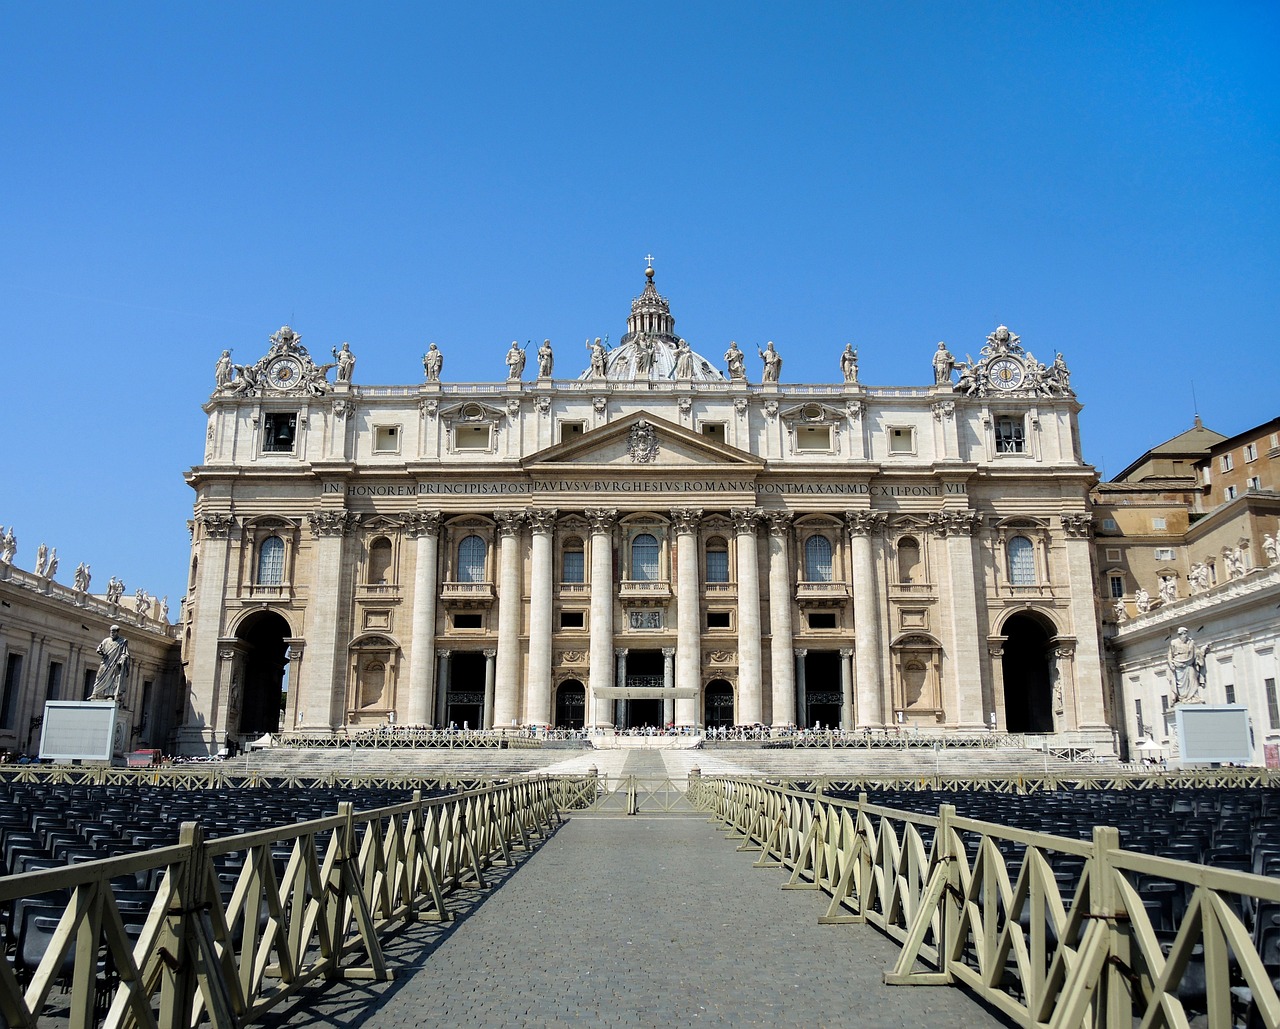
180,178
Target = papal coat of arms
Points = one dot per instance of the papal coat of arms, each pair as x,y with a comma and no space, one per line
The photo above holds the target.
642,444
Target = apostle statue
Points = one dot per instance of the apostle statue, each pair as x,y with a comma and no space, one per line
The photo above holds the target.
515,362
8,547
51,568
735,361
1271,549
432,363
42,555
346,363
772,363
597,358
1168,589
943,362
1186,668
222,372
545,360
684,360
112,677
849,363
1142,601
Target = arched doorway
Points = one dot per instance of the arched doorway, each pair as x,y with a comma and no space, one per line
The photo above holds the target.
262,688
718,705
1028,690
571,705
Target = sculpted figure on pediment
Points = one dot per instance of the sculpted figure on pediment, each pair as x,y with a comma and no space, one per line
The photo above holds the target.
735,362
42,555
772,362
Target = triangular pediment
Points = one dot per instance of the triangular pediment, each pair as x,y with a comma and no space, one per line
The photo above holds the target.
643,442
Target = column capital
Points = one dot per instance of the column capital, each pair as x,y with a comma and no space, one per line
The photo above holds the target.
509,522
668,652
332,523
620,651
601,519
443,653
866,523
955,523
846,652
1077,525
745,519
422,523
995,646
542,519
217,526
779,523
686,519
490,653
802,651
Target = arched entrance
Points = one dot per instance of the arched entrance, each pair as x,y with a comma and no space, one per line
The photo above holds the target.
464,700
718,705
571,705
262,689
822,698
1028,690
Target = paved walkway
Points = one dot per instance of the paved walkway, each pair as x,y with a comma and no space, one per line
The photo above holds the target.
639,922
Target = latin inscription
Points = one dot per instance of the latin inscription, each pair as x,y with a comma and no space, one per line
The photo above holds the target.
607,486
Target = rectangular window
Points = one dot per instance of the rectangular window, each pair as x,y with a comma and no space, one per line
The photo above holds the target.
1159,523
386,439
1255,483
1009,436
1251,451
1110,524
718,620
1137,710
279,432
1231,694
1164,553
822,620
53,684
9,698
902,441
1231,493
574,566
1113,553
1227,463
468,621
1273,706
717,566
1164,703
714,431
471,437
573,619
571,430
1117,586
813,437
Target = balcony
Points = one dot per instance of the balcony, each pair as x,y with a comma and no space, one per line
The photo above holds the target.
720,589
377,591
913,591
467,594
269,592
821,592
574,589
644,591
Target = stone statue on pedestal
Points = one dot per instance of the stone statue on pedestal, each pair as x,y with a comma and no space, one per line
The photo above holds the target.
8,547
515,362
545,359
115,590
1168,589
943,363
735,361
432,363
1271,549
849,363
346,363
1186,667
42,555
1142,601
112,677
772,363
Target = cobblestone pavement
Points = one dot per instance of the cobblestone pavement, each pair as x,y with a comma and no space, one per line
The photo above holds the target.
638,922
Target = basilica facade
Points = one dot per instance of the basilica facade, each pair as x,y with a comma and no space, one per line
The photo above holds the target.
653,539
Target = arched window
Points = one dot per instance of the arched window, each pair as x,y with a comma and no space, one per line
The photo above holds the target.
380,560
908,560
471,553
644,558
717,560
817,559
573,566
1022,561
271,561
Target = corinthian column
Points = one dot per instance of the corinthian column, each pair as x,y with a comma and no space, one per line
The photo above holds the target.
599,710
537,708
1083,707
506,697
781,634
749,709
688,628
863,525
325,686
969,687
425,529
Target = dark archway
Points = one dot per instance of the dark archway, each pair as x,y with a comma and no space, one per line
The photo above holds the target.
718,705
464,701
822,691
644,671
571,705
262,687
1028,692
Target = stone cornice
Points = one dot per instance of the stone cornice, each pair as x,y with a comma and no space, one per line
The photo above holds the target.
1232,593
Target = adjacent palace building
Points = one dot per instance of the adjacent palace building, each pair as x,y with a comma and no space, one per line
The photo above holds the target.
657,540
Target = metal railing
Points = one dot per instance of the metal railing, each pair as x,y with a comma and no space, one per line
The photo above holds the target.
980,904
303,901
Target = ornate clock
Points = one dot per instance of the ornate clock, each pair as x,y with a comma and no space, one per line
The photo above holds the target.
284,373
1005,373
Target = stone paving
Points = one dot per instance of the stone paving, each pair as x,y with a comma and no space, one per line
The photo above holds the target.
638,921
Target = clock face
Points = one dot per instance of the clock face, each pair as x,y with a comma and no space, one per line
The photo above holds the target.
1005,373
284,373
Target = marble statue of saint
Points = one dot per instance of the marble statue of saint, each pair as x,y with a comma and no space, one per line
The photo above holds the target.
432,363
223,370
1059,376
346,362
515,362
772,363
849,363
1168,589
8,547
164,608
1234,558
1121,614
52,567
646,349
597,358
943,362
115,590
141,602
42,555
1199,577
80,583
1186,668
1142,601
545,360
113,675
968,384
1271,549
735,361
684,361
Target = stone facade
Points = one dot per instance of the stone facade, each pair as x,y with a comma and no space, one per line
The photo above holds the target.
654,541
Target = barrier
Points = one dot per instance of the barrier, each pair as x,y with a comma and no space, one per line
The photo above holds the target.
240,923
1065,940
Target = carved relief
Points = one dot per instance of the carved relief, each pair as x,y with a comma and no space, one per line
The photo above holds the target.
944,409
429,407
642,442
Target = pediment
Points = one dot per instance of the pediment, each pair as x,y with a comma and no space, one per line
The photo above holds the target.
472,411
813,412
642,442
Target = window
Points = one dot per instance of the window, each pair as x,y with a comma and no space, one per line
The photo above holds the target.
713,431
380,561
471,437
822,620
1251,451
1255,482
902,441
1273,707
271,561
571,430
1158,523
471,555
1113,553
53,684
817,559
1231,493
717,560
279,431
813,437
1164,553
1231,693
1117,586
718,620
1137,710
908,560
1110,524
573,565
1227,463
386,439
1022,561
644,558
468,621
573,619
9,698
1009,436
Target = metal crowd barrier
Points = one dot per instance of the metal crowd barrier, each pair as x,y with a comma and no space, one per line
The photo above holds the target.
240,923
1080,953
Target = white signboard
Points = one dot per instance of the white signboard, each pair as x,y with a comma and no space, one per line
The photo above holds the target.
1213,733
78,730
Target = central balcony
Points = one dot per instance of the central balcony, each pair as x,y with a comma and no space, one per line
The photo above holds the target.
644,591
821,592
467,594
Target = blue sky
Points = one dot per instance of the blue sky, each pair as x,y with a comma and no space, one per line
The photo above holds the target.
176,179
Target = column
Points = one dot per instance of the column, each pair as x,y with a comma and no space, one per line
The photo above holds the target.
668,684
967,678
688,671
1084,708
424,529
599,711
324,688
506,699
212,543
442,688
490,676
295,648
802,688
781,634
846,689
537,710
866,613
995,655
749,709
620,679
